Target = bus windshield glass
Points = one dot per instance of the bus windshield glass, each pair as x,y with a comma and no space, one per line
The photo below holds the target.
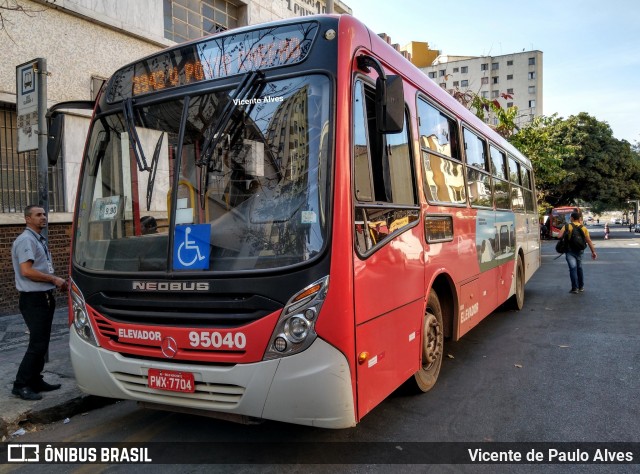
233,180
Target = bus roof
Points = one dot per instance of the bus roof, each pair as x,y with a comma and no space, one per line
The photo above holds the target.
380,48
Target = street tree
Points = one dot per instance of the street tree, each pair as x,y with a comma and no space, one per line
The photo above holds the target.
482,106
596,167
7,7
539,141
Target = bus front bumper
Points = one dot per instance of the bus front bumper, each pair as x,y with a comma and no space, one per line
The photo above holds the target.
310,388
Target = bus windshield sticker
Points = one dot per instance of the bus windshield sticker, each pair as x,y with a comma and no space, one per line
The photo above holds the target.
191,247
105,209
214,58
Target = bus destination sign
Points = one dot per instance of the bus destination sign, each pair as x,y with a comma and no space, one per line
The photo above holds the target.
214,58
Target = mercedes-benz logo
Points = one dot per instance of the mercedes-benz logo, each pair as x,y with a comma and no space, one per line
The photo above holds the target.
169,347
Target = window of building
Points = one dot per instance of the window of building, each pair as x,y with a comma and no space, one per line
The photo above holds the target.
443,85
509,104
456,69
484,94
484,80
443,72
190,19
532,103
495,94
464,69
495,79
532,61
509,77
532,89
19,171
484,66
456,83
532,75
510,91
464,83
433,75
495,66
510,62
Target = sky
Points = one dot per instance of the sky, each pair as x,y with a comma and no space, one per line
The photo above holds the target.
591,48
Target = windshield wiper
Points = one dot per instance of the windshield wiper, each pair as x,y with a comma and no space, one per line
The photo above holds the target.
250,87
154,167
134,140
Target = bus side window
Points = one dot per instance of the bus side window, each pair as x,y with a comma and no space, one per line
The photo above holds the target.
362,170
383,174
441,164
478,177
517,195
500,178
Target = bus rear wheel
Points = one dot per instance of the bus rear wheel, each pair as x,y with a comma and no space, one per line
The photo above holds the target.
432,345
517,300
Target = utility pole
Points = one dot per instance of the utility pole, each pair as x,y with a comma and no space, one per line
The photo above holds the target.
43,161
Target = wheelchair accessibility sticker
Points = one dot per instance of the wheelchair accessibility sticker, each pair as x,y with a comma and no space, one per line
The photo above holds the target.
191,247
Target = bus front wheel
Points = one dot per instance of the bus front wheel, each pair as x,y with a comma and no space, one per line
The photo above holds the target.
432,345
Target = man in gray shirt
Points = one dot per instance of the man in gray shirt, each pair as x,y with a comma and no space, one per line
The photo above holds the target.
36,283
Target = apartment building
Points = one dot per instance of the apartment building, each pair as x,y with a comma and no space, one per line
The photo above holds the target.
83,43
518,75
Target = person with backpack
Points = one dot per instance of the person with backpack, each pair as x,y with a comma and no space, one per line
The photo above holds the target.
577,240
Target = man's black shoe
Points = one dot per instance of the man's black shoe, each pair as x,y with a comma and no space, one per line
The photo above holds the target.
43,386
26,393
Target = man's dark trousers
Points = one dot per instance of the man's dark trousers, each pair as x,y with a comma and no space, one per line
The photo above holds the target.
37,308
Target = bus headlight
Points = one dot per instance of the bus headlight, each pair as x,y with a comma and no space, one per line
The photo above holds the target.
81,322
295,330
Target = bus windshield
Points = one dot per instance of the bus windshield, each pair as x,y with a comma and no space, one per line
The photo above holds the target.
236,181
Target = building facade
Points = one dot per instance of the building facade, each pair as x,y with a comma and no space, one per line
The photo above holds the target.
83,43
517,76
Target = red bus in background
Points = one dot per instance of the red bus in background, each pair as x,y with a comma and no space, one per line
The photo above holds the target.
558,217
324,216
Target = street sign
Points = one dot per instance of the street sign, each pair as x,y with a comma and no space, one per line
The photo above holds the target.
27,105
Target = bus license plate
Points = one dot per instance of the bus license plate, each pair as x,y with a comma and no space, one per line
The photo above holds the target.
171,380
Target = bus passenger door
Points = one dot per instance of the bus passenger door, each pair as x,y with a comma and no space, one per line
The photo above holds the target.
388,256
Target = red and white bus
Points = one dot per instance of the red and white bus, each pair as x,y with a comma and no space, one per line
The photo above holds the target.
284,222
558,217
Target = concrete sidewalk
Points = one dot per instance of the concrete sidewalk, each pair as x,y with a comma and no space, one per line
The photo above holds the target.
54,406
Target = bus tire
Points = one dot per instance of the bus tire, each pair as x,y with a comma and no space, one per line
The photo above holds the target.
517,300
432,345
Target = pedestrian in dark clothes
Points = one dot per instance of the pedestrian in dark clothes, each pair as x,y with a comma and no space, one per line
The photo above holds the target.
36,283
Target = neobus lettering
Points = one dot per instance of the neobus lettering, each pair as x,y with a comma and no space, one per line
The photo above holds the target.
170,286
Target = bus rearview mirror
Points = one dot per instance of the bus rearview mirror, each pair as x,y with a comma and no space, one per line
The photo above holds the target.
390,104
55,137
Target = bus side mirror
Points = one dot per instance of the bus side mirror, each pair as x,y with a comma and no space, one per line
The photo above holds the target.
55,125
389,104
56,137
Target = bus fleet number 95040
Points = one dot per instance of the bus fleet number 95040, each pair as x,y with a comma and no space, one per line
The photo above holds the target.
217,340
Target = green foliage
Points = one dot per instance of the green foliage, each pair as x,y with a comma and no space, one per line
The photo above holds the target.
506,117
578,160
539,142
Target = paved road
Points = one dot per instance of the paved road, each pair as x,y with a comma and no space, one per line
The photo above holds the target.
564,369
